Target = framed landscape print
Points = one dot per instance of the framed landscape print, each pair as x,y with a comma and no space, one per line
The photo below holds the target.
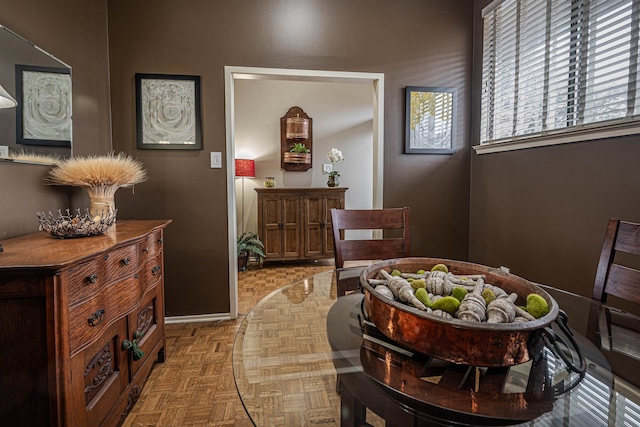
43,113
430,119
168,112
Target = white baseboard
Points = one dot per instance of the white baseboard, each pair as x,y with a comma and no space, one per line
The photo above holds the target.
197,318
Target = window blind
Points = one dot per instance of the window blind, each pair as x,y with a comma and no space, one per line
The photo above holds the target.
558,66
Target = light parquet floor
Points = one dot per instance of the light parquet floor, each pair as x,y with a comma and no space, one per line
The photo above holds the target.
195,385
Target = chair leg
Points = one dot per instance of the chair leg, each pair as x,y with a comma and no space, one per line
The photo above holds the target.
352,412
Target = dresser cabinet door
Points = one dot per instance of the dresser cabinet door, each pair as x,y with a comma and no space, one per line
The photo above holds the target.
104,368
145,330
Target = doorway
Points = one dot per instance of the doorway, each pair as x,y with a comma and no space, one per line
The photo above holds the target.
233,74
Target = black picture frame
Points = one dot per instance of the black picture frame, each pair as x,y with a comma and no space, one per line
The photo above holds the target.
168,113
43,113
430,120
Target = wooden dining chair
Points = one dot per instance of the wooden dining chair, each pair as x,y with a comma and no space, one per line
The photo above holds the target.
613,278
396,244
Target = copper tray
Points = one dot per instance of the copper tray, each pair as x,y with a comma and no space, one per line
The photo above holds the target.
454,340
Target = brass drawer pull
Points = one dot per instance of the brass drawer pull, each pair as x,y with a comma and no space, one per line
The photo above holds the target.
133,346
96,317
146,249
92,279
156,270
126,261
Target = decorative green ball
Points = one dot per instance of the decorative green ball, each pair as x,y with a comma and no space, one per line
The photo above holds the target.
396,273
488,295
418,283
423,296
448,304
459,292
537,306
420,272
440,267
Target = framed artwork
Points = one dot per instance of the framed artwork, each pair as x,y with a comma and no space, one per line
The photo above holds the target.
43,114
430,118
168,112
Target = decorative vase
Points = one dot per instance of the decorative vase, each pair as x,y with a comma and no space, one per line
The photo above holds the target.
333,181
101,206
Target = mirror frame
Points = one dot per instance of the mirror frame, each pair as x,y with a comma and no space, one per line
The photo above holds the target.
23,150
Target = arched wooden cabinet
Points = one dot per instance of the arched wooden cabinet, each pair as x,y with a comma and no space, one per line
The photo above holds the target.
296,127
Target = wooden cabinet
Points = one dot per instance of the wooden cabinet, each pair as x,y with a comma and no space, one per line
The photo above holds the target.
73,313
295,223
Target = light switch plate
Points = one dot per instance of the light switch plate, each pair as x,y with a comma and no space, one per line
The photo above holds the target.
327,167
216,160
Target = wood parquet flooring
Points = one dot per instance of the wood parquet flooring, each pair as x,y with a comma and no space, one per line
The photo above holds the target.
195,386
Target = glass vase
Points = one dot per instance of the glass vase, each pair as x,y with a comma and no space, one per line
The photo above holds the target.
333,181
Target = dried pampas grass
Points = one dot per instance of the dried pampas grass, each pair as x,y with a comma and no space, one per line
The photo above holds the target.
100,175
108,170
45,159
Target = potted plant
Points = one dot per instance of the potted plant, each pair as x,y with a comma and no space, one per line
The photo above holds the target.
249,244
298,153
299,147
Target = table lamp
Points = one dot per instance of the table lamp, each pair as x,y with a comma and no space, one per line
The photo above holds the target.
6,100
245,168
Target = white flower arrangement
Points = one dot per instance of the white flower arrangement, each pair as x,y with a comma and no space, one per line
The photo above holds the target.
334,155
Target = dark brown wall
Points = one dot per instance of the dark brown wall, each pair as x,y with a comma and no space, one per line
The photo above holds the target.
75,31
543,211
415,43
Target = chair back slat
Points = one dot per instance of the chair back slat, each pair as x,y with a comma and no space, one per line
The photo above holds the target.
628,238
624,282
358,250
613,278
370,219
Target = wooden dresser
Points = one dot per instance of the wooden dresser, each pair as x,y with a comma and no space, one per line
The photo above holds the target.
295,223
75,317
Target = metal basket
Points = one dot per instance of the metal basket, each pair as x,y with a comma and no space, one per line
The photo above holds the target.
67,226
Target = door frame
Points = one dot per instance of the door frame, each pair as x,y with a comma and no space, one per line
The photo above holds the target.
233,73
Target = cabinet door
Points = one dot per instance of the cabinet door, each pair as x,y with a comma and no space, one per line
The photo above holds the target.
314,224
105,369
317,225
290,227
279,229
145,328
270,234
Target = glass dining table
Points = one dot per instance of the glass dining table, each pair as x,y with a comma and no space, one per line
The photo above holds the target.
307,355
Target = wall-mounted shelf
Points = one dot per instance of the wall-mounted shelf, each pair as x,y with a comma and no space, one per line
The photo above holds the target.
295,127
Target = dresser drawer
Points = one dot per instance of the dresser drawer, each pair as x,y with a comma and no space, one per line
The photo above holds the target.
121,262
88,319
151,246
90,277
152,270
85,279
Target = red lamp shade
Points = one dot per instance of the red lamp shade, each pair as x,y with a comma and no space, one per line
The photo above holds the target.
245,168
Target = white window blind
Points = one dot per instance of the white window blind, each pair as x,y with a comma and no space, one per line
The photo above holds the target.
556,67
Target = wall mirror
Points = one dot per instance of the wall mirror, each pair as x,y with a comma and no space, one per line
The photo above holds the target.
39,127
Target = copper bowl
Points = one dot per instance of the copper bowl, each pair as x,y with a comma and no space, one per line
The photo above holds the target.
454,340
